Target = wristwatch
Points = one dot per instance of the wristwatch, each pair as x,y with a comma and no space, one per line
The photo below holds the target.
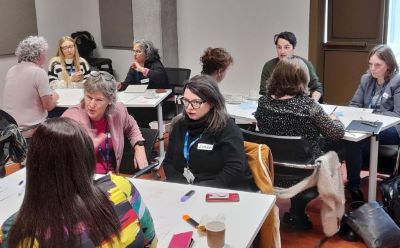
140,143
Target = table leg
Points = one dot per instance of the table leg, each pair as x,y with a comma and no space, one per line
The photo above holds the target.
373,167
160,129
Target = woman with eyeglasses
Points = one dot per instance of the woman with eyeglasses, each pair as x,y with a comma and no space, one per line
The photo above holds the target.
205,146
63,207
379,90
67,69
101,114
146,67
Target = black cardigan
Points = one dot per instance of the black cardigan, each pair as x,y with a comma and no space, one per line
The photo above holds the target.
157,76
224,166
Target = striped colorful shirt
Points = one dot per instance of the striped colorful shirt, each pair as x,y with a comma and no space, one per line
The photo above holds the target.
137,229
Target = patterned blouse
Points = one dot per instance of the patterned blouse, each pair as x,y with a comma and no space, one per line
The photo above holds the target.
137,229
297,116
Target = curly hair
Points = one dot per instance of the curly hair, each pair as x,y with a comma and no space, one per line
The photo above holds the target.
215,59
104,82
148,48
30,48
290,77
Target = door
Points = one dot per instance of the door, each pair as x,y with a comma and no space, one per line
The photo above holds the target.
353,28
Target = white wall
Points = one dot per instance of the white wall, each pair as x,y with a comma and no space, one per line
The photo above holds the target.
245,29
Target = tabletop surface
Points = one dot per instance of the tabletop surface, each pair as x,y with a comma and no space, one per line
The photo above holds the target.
71,97
243,219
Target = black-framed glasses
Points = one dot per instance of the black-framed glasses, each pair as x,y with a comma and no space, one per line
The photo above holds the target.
102,74
196,103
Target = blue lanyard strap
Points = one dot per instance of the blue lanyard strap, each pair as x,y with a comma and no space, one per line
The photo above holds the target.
105,157
186,148
379,98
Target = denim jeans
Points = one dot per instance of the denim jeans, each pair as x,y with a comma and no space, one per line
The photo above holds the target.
355,150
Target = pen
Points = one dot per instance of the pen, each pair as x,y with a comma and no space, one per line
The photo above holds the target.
186,196
369,123
333,111
193,223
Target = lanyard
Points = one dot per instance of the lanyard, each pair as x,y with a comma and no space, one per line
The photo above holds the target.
105,156
379,98
186,148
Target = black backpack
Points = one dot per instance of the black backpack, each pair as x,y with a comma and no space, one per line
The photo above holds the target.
390,189
85,43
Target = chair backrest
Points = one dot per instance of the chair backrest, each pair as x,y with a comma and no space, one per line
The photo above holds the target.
150,135
292,156
85,43
285,149
177,78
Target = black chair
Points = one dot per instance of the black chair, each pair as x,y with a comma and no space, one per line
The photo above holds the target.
292,163
150,135
86,44
12,144
177,78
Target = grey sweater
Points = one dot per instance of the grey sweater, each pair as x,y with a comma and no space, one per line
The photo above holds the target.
390,103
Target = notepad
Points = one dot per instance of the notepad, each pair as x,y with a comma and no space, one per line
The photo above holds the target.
360,126
136,88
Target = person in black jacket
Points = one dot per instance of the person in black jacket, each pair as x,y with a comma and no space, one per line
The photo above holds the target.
146,67
205,145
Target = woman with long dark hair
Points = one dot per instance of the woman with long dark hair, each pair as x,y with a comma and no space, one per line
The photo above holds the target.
64,207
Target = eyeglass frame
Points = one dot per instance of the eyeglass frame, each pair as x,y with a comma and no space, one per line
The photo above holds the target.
193,103
103,75
65,48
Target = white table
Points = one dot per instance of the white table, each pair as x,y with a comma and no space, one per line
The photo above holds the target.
71,97
246,110
243,219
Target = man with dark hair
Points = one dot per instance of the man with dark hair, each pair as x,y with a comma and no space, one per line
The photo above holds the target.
285,43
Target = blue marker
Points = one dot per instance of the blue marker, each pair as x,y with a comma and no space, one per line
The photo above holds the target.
186,196
21,182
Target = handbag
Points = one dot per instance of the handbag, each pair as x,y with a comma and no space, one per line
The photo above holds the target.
374,226
391,198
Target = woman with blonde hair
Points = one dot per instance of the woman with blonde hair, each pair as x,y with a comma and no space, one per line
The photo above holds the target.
67,69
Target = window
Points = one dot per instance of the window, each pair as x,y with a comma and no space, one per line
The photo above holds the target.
393,31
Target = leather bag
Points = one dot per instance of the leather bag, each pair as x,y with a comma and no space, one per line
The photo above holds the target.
391,198
374,226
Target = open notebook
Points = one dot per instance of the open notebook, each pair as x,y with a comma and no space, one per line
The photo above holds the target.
360,126
136,88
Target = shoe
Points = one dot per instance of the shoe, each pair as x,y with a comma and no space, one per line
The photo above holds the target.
356,195
296,222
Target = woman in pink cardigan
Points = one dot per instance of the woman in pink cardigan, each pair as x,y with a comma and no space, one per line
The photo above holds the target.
107,120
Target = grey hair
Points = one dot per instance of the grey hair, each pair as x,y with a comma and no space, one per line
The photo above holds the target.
30,48
103,84
207,89
149,49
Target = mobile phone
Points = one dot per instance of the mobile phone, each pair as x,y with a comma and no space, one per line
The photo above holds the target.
222,197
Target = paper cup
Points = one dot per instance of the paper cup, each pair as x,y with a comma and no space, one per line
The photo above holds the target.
215,234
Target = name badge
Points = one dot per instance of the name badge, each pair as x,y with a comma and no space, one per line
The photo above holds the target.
144,81
385,95
205,147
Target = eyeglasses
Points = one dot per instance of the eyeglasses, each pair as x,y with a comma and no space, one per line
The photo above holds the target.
196,103
65,48
137,51
102,74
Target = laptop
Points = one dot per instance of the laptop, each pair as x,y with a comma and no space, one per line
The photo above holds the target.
136,88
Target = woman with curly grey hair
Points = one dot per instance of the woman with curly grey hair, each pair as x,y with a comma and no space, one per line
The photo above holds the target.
27,95
146,67
107,120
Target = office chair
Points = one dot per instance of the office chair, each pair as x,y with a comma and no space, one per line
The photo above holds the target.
292,158
12,144
86,44
177,78
127,167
